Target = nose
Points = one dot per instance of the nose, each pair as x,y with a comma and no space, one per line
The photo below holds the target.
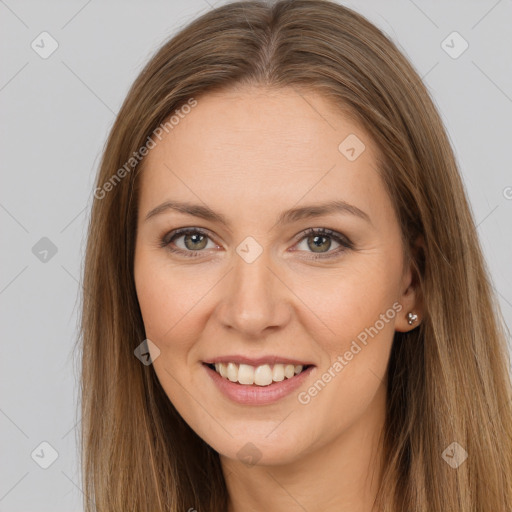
255,300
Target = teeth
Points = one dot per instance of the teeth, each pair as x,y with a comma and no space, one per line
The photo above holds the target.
289,371
245,374
262,375
278,373
232,372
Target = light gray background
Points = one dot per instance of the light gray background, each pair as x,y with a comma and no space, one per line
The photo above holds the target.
56,114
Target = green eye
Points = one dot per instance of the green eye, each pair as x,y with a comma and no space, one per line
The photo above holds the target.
194,240
319,241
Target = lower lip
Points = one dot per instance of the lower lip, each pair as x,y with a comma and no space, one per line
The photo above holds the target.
257,395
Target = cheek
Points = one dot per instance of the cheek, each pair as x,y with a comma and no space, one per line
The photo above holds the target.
167,296
353,299
359,306
170,304
156,303
171,308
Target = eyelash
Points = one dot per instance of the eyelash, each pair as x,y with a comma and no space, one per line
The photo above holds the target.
344,242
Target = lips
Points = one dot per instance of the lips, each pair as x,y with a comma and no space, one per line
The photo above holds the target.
255,394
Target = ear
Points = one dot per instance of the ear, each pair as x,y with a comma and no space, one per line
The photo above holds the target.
411,297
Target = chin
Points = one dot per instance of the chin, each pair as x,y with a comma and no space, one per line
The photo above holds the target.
260,444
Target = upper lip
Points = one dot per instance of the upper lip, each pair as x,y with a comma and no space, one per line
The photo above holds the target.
257,361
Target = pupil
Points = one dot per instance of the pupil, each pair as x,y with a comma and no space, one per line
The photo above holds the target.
195,239
318,241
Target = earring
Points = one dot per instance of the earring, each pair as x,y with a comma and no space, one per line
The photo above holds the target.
411,318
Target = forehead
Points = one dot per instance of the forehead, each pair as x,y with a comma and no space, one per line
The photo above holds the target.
262,146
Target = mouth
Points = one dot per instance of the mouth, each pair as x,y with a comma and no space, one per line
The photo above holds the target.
262,375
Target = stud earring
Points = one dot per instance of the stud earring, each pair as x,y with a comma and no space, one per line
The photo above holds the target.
412,318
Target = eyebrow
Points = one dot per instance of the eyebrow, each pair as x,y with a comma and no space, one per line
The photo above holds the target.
286,217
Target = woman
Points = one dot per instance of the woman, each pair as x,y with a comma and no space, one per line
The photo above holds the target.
287,306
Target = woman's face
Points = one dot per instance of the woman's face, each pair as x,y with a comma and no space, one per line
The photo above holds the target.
251,174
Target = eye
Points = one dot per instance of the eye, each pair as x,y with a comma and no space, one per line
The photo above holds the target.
194,240
319,241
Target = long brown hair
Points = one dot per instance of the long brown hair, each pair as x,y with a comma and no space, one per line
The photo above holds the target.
448,378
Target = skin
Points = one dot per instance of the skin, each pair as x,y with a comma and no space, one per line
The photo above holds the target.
250,154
